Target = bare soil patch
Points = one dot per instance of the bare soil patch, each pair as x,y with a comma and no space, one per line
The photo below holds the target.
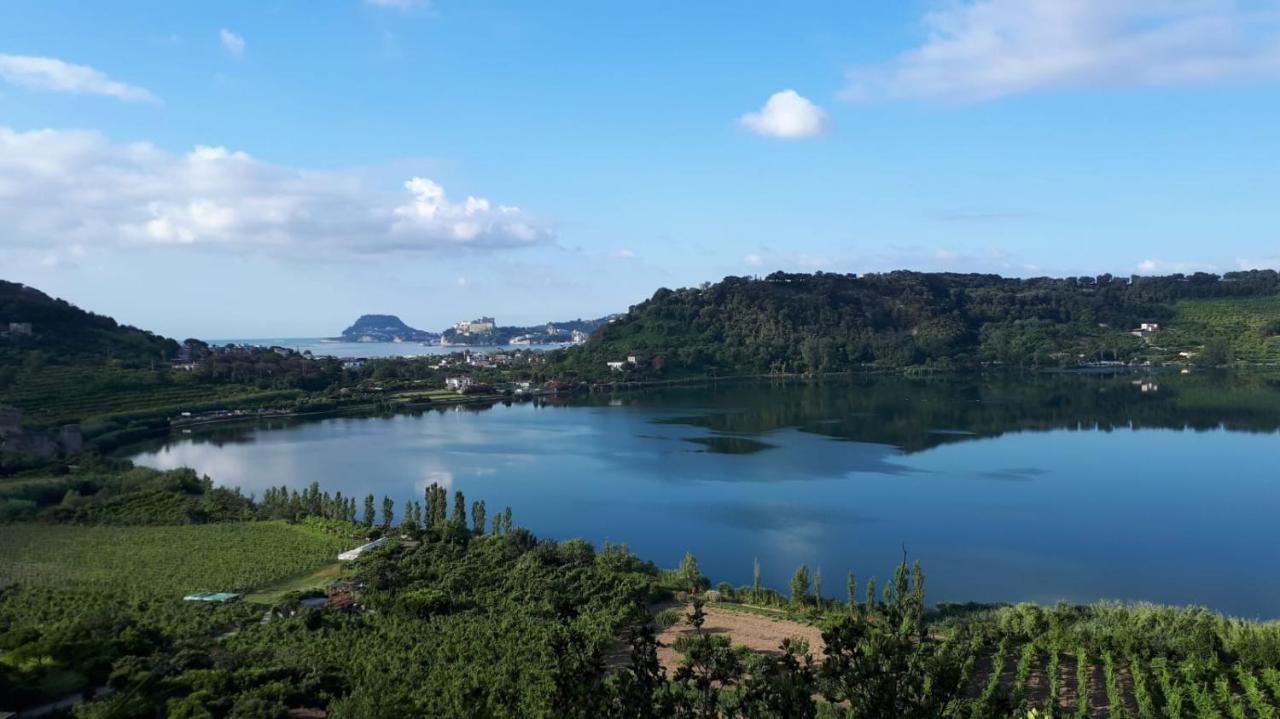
757,633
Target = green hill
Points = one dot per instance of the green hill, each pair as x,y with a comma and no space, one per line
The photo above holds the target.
65,334
829,322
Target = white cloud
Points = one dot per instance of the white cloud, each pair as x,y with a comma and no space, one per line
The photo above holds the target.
70,188
624,254
1151,266
984,49
232,42
753,261
47,73
787,115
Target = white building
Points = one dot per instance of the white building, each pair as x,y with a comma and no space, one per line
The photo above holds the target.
616,366
355,553
459,384
484,324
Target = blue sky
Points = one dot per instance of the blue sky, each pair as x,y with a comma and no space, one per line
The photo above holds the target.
276,168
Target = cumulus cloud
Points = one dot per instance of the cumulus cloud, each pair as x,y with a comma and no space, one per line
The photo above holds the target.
984,49
787,115
232,42
77,188
47,73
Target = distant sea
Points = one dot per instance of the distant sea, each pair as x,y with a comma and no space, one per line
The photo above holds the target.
320,347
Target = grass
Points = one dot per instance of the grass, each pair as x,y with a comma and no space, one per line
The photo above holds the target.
319,579
167,562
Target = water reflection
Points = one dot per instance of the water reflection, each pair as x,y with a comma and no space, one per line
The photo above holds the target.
1061,486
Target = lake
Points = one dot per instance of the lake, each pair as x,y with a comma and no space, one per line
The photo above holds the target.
321,347
1028,488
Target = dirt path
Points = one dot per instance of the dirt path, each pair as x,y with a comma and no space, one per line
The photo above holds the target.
755,632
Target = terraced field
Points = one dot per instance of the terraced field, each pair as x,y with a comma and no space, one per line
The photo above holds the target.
1084,684
55,395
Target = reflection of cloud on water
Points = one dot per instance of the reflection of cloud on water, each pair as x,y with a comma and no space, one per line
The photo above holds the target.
777,516
791,455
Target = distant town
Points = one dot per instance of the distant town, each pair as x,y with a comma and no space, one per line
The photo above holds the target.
481,331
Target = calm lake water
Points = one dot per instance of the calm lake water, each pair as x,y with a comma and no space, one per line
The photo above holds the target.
322,348
1162,488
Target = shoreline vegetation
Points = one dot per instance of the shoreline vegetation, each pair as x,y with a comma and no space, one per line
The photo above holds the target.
465,613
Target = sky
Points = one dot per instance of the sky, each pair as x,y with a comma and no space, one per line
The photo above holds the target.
274,169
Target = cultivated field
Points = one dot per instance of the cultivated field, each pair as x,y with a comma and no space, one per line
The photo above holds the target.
162,561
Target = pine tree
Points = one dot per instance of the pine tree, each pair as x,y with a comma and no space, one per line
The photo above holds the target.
388,510
477,516
368,510
871,594
506,520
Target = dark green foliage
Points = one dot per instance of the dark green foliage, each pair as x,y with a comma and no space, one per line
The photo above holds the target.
459,507
799,323
800,586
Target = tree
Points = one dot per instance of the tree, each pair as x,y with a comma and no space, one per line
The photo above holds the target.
800,586
459,507
690,576
477,516
407,523
506,520
638,688
781,687
817,588
852,585
497,525
871,595
888,668
697,616
755,579
388,510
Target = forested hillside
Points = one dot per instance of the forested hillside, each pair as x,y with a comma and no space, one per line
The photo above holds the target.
63,333
828,322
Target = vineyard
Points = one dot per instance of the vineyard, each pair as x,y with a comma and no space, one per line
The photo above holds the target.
163,562
1249,325
56,395
1120,662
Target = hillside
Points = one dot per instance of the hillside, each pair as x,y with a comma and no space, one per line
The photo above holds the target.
828,322
384,328
65,334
